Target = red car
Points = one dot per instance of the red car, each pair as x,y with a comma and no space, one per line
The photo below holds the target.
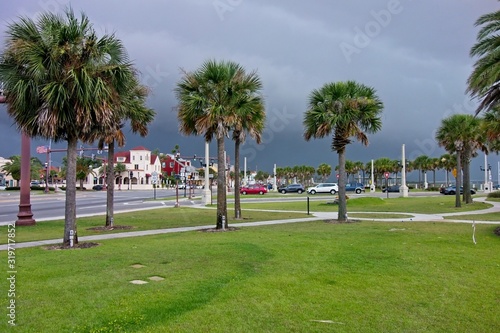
253,189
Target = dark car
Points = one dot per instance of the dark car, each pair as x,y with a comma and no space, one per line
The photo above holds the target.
98,187
292,188
355,187
450,190
392,188
253,189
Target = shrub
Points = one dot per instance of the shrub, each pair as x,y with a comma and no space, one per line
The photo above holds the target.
495,194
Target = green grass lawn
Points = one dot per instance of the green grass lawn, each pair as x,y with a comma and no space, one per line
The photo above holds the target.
161,218
301,277
423,205
494,217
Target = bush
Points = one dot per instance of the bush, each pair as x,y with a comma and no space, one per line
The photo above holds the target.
495,195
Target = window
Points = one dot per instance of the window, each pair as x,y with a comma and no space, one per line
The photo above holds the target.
120,159
136,166
140,157
171,164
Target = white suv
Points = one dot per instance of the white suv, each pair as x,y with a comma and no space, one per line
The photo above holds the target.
324,188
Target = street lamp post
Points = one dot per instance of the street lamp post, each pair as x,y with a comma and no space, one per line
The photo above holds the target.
25,215
46,178
403,189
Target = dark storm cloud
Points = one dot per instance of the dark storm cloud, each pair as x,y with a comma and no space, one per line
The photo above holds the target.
414,53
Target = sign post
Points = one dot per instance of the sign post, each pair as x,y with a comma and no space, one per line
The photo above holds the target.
154,180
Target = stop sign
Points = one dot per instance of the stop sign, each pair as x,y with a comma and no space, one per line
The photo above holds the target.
386,175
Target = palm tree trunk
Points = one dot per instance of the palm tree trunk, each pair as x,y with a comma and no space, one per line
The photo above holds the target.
342,183
467,197
237,201
458,180
110,184
221,185
70,206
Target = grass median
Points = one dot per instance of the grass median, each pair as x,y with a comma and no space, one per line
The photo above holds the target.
303,277
421,205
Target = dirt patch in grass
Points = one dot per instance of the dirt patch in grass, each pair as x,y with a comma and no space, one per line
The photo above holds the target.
334,221
83,245
108,228
497,231
219,230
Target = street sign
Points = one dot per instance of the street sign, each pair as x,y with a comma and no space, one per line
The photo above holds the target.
386,175
154,177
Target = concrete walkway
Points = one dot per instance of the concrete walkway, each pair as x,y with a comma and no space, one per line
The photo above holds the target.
412,217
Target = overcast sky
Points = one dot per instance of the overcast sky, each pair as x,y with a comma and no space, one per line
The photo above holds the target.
414,53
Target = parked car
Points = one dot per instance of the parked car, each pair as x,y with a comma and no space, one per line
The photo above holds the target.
331,188
355,187
450,190
392,188
97,187
35,183
292,188
253,189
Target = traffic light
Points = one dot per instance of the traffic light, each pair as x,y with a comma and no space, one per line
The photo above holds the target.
194,157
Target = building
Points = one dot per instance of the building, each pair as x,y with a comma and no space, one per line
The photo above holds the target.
139,163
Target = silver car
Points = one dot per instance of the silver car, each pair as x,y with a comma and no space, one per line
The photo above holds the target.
331,188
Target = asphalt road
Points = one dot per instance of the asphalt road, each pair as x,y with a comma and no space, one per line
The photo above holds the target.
51,206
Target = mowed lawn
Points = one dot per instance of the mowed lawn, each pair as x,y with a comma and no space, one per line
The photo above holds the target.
300,277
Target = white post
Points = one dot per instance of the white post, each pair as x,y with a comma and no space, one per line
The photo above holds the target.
486,187
206,191
372,185
403,189
245,182
275,186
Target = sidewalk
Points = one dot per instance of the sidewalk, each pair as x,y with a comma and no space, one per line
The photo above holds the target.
316,216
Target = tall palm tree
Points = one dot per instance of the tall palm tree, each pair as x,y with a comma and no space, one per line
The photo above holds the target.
209,102
346,109
421,164
491,128
484,81
251,119
60,80
131,107
324,171
460,134
447,162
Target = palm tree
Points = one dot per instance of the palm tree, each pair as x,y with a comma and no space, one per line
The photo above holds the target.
345,109
448,162
484,81
491,128
324,171
251,119
119,169
421,164
460,133
84,166
60,80
131,107
210,99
